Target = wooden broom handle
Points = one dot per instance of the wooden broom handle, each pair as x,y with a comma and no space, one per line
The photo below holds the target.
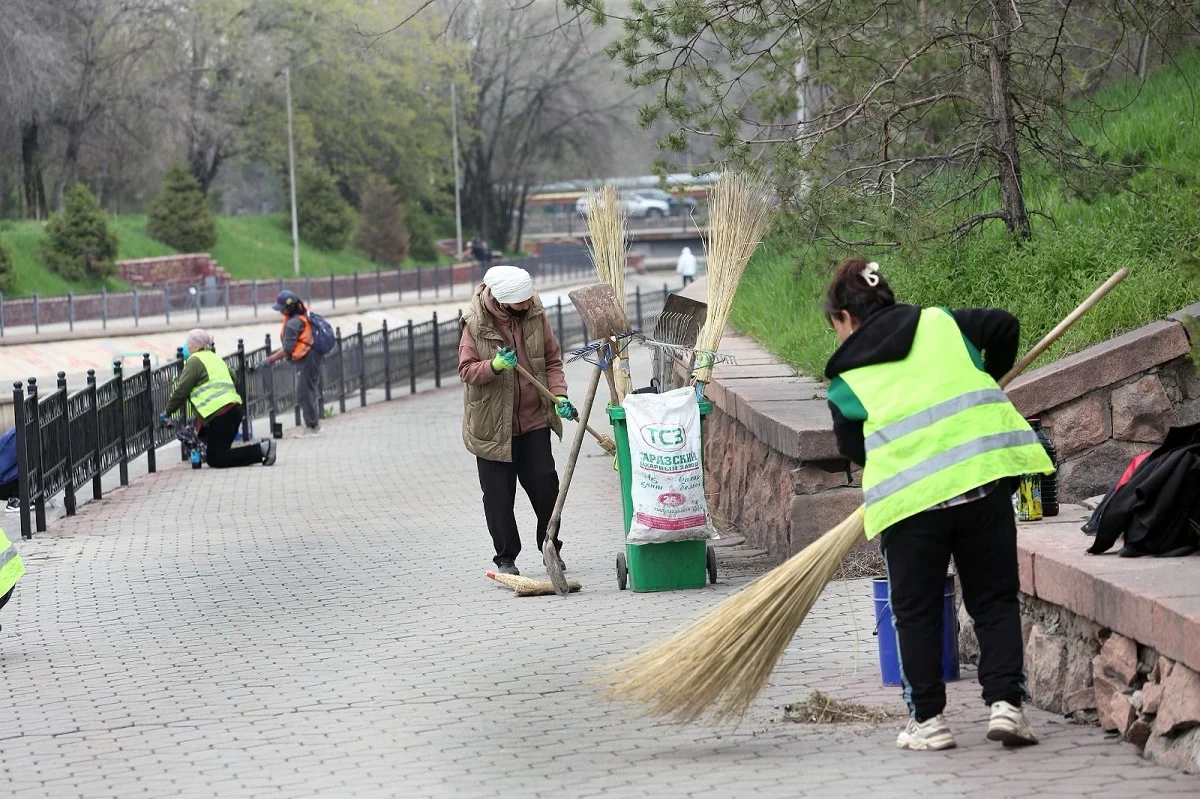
549,396
1062,326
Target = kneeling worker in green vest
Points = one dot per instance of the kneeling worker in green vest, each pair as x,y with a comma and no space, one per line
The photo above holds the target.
11,569
914,400
207,386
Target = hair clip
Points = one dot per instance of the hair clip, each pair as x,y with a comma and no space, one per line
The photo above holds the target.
870,273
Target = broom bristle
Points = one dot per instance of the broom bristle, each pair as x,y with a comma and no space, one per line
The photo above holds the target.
606,229
739,214
720,664
527,586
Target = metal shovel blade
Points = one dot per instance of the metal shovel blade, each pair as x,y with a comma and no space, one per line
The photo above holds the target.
603,313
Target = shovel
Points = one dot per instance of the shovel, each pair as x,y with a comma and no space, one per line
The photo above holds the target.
605,320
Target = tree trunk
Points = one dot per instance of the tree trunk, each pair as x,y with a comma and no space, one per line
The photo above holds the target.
520,219
1016,216
31,165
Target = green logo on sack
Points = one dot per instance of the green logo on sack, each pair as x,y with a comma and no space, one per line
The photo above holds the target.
665,437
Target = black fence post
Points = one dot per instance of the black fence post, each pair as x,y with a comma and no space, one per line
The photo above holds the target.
387,364
269,380
332,290
637,303
64,422
226,284
356,287
437,354
254,295
399,284
137,305
412,360
194,292
378,285
341,371
450,273
71,310
166,305
561,338
437,292
94,429
37,313
362,369
39,505
22,456
307,290
243,387
419,271
118,375
104,308
148,409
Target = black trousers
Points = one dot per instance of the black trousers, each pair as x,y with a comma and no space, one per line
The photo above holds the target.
982,537
533,466
219,433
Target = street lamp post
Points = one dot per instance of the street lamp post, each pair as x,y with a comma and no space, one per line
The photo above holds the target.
287,82
457,178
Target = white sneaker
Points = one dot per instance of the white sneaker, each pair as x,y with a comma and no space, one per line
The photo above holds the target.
1009,726
926,736
13,506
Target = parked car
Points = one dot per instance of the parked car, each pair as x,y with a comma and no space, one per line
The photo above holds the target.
675,205
634,203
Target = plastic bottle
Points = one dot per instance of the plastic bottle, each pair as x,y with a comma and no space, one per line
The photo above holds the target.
1049,481
195,458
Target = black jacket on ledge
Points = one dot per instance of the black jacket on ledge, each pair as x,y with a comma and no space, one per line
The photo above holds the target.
1158,510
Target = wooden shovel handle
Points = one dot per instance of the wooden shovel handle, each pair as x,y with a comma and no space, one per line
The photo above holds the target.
569,471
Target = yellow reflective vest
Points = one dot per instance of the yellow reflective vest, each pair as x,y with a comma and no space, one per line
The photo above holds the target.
218,391
11,567
936,426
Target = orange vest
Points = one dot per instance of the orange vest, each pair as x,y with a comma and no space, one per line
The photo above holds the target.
304,342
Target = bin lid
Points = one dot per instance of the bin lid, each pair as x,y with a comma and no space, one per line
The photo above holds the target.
617,412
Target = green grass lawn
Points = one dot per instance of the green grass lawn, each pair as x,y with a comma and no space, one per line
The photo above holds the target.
248,247
1153,228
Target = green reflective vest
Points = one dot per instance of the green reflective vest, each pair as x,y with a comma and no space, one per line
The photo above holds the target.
218,391
936,426
11,567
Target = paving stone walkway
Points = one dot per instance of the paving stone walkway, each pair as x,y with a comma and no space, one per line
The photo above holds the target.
323,628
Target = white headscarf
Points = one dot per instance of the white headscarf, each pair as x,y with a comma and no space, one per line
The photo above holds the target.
198,339
509,284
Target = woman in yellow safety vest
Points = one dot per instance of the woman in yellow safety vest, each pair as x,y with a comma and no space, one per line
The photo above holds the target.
11,569
208,388
915,401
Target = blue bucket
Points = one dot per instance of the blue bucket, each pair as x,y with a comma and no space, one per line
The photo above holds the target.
889,655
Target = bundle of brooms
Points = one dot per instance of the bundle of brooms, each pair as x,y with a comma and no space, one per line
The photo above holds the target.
719,665
739,213
606,230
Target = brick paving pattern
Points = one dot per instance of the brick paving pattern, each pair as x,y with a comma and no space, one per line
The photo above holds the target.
323,628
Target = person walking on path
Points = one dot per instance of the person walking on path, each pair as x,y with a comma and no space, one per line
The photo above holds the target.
506,421
914,400
686,265
208,387
296,339
11,569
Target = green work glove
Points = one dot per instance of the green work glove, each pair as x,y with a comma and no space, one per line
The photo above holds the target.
565,409
505,359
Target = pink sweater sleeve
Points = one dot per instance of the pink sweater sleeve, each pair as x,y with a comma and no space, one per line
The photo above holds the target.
473,370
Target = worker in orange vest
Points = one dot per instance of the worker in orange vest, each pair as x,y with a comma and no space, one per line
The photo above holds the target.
297,338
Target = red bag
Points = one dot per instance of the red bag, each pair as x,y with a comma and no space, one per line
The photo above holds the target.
1133,465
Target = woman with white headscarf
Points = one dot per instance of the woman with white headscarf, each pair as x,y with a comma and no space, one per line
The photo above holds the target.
207,387
686,265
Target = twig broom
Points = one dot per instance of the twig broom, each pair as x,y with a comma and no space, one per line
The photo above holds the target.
720,664
739,215
606,229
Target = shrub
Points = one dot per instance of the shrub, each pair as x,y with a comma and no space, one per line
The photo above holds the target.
78,243
325,218
8,274
381,235
420,233
180,216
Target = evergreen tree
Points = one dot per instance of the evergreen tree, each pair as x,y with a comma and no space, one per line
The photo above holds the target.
381,235
325,218
8,275
420,233
180,216
78,243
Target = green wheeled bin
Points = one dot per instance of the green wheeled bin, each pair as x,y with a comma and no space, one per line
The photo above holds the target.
668,566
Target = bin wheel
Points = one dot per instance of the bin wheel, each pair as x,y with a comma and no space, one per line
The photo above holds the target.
712,566
622,572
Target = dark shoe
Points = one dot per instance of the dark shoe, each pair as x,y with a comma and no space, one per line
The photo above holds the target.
507,567
268,447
